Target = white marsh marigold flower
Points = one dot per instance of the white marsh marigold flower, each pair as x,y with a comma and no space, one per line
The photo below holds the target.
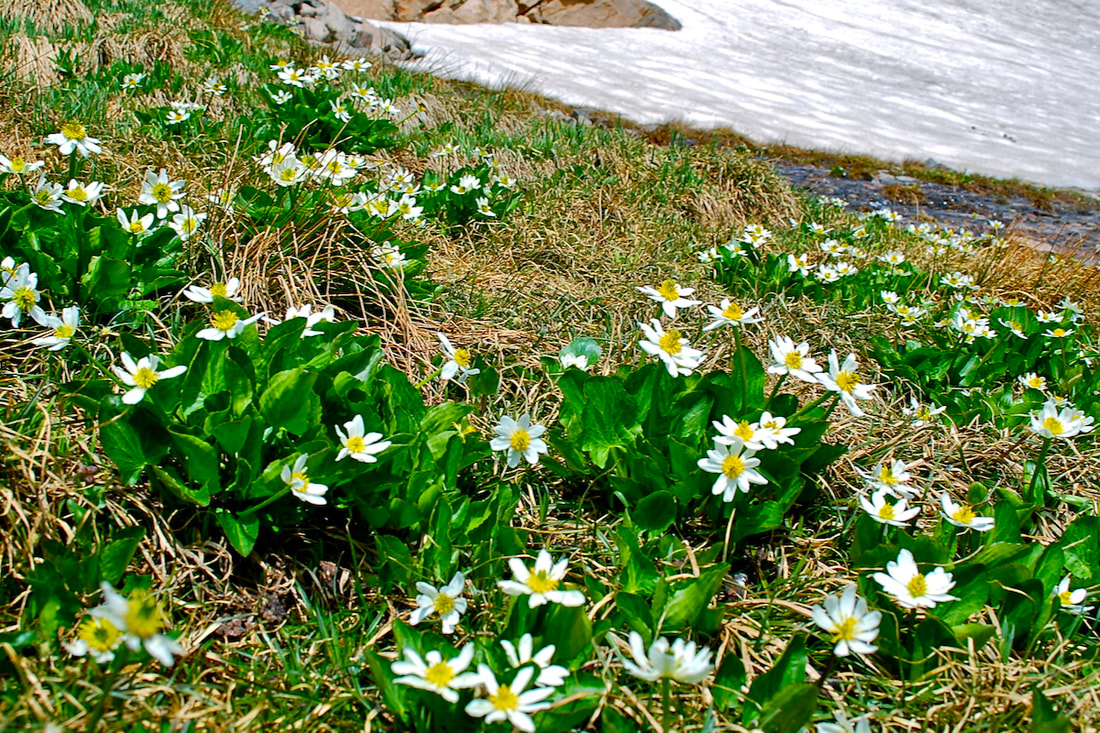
736,468
436,674
141,375
73,137
913,589
446,602
846,618
359,445
962,515
842,379
520,439
542,584
671,348
295,477
509,702
671,296
793,360
680,660
141,621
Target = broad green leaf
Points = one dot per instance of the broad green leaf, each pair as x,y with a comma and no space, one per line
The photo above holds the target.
790,710
289,402
116,555
242,530
789,671
637,614
655,513
609,417
692,597
728,681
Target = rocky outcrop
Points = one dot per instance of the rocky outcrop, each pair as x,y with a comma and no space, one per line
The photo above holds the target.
326,23
589,13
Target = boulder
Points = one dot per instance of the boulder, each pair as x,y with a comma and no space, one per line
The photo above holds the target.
603,14
589,13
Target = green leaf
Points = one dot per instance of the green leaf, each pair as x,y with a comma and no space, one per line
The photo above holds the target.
199,458
636,613
688,602
728,681
396,557
116,555
610,415
1044,718
583,346
242,530
790,710
1081,543
789,671
569,629
655,513
289,402
639,574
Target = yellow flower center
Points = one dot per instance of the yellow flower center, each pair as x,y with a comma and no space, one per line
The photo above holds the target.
733,312
288,174
162,193
143,615
25,297
356,444
733,466
924,413
1066,597
42,197
224,320
918,586
299,476
145,377
100,634
189,225
520,440
770,425
218,289
64,331
1015,325
793,360
1053,425
462,357
444,604
17,165
440,674
77,193
845,630
505,699
74,131
744,431
887,512
1036,383
886,476
847,381
136,227
670,342
1059,332
964,514
540,582
669,290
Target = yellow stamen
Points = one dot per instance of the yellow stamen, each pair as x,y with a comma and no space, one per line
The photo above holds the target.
733,312
918,586
669,290
74,131
356,444
505,699
847,381
540,582
1053,425
670,342
25,298
733,466
145,377
444,604
143,615
964,514
845,630
744,431
299,476
520,440
462,357
162,193
887,512
793,360
440,674
64,331
224,320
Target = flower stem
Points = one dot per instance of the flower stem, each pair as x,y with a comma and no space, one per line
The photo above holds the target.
268,501
1040,464
775,389
119,662
420,385
829,667
666,704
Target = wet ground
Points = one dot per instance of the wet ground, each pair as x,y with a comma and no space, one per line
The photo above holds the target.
1067,229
